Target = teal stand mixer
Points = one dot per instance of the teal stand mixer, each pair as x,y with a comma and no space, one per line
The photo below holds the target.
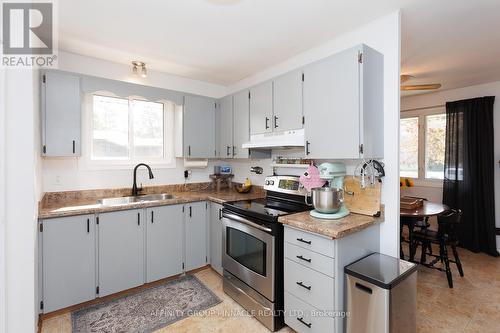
328,201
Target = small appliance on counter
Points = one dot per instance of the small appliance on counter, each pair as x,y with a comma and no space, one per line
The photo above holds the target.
328,201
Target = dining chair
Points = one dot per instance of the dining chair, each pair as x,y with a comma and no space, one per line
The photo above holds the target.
445,236
411,223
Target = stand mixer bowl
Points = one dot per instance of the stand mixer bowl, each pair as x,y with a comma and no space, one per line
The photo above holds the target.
327,200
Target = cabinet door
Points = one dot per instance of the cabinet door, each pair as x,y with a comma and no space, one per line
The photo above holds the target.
164,232
331,106
68,261
196,235
288,101
199,127
241,123
121,251
61,113
261,108
216,237
226,127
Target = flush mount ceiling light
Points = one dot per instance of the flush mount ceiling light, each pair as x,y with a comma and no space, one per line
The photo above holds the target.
139,68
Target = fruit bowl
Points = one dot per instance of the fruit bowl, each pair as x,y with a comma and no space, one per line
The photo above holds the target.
242,188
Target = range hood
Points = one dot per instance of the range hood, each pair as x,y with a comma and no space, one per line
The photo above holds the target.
276,140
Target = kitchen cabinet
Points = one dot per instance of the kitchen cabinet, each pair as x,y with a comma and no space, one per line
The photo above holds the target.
241,123
61,114
261,108
199,127
164,245
196,235
215,230
121,250
68,261
226,127
287,111
343,105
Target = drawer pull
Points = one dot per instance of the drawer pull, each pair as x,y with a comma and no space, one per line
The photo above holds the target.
304,241
303,285
302,258
301,319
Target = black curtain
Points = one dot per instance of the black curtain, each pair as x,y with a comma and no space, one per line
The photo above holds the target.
469,171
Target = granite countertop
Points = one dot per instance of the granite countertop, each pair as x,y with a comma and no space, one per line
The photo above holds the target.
60,204
331,228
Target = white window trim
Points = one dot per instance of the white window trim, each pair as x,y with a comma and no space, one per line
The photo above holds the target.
422,129
85,162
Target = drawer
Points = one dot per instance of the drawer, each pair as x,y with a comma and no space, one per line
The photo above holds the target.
303,318
310,241
310,259
310,286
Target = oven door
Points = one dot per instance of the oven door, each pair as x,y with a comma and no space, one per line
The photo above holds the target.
248,253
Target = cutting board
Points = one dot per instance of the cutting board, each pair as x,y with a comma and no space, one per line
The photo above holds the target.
365,201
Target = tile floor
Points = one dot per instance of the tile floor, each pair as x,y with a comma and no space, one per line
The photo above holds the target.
472,306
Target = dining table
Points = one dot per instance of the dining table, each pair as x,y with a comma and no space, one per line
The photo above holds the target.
411,217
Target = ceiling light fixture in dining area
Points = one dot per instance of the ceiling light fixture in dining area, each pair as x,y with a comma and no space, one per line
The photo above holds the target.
139,68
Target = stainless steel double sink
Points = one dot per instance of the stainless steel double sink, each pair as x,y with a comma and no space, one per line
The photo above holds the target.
137,199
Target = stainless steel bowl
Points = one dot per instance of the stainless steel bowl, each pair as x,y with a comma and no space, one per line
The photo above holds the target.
327,200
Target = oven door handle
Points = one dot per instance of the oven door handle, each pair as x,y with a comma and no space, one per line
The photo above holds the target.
245,221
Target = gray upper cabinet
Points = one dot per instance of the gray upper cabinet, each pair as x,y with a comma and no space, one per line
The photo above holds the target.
199,127
343,105
288,101
164,246
241,123
196,235
216,237
261,108
68,261
61,114
121,251
226,127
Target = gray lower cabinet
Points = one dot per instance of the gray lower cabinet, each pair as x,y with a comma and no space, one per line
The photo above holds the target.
199,127
196,235
61,114
68,261
121,251
216,237
164,232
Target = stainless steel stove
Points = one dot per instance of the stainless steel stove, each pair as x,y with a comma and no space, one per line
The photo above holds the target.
252,255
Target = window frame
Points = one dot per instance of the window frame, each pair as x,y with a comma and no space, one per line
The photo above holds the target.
167,161
422,130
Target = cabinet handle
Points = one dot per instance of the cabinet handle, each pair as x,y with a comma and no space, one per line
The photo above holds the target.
189,150
227,150
138,218
88,225
303,285
74,148
234,151
301,319
305,259
304,241
267,121
220,214
190,211
275,122
152,217
307,147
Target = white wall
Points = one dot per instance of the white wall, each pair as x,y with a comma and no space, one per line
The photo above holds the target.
384,36
2,201
21,201
441,97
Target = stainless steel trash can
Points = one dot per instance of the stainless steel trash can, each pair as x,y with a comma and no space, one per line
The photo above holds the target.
381,295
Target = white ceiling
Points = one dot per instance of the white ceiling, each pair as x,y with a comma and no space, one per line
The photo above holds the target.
454,42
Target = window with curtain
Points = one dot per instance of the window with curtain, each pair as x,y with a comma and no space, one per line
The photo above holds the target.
422,144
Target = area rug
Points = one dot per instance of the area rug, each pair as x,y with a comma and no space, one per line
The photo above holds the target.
147,310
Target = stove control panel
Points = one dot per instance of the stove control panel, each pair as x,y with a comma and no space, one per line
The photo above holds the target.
284,184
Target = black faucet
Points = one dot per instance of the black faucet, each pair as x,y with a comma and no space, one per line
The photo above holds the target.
135,189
